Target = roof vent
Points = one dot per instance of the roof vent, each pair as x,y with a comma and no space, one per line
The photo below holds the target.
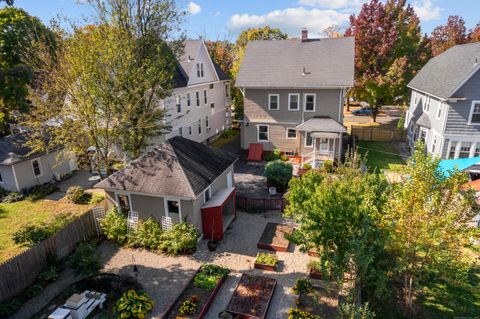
305,72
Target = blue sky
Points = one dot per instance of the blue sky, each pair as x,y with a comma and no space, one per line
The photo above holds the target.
219,19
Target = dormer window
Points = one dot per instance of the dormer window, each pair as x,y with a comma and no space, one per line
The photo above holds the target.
200,72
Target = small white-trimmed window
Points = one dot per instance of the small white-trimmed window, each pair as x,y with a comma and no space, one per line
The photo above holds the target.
199,126
464,152
453,148
207,124
273,101
200,72
172,206
475,113
124,203
293,102
291,134
439,111
179,105
189,100
415,98
205,97
189,130
197,96
309,102
180,131
426,105
423,134
37,168
434,144
308,140
262,133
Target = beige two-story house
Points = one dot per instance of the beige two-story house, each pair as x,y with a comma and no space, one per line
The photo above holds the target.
293,95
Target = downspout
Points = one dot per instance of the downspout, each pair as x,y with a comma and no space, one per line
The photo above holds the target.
15,178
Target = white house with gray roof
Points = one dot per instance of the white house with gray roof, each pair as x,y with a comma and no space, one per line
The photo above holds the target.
293,95
445,104
200,106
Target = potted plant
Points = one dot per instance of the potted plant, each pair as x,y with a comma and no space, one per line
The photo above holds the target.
266,261
278,173
315,270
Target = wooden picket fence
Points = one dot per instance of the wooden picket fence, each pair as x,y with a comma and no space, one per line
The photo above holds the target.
381,134
21,271
260,204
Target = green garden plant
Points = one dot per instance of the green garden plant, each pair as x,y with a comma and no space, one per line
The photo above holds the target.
148,235
13,197
209,275
278,172
266,259
302,286
133,304
83,261
188,307
77,195
40,191
294,313
181,239
48,275
114,226
273,156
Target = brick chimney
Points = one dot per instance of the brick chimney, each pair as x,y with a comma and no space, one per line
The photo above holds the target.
304,35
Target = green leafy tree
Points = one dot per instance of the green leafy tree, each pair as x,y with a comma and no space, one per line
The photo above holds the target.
340,216
429,215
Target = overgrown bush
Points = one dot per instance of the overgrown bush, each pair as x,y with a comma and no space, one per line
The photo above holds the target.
133,304
77,195
307,166
278,171
294,313
181,239
302,286
97,198
230,133
349,310
13,197
327,166
114,226
83,261
3,193
273,156
148,235
209,275
48,275
40,191
32,234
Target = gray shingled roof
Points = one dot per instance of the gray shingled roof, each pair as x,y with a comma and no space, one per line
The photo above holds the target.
445,72
179,168
422,120
321,124
280,63
12,149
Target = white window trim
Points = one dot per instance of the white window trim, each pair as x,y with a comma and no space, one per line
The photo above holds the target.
209,191
270,99
305,142
305,102
291,138
207,122
258,133
173,199
205,97
123,194
39,166
471,113
439,111
298,101
189,99
199,99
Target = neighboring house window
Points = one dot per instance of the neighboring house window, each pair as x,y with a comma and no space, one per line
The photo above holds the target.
310,102
434,144
273,101
464,152
208,194
415,100
123,202
37,170
199,126
179,106
211,86
262,133
453,147
426,105
189,130
173,206
1,178
180,131
212,105
206,122
293,102
308,140
200,73
475,113
291,134
227,89
205,99
477,152
189,100
197,95
423,134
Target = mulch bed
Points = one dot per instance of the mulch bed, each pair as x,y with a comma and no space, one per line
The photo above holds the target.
273,237
252,297
322,302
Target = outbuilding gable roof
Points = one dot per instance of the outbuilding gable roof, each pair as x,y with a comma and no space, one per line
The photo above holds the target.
315,63
178,168
13,150
443,75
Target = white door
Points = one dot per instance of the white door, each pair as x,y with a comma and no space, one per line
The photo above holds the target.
323,145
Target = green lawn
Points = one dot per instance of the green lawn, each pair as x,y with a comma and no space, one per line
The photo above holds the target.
380,155
226,137
14,216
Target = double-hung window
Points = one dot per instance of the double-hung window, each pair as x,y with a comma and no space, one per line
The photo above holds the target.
453,147
273,101
293,102
464,152
37,169
439,110
291,134
180,131
308,140
435,143
197,96
426,105
199,126
179,105
309,102
262,135
227,89
207,125
200,72
205,99
189,100
475,113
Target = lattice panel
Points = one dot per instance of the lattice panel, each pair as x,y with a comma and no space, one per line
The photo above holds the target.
132,221
98,214
167,223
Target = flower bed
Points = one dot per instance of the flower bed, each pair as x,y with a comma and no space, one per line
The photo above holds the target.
199,294
274,237
252,297
266,261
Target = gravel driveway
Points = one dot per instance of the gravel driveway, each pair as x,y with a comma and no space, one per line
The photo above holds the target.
164,277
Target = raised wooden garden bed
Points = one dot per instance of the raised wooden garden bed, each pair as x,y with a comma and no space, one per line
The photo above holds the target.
251,297
201,297
273,237
266,261
321,301
314,274
313,253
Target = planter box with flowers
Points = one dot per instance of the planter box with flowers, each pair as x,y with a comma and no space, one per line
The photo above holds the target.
266,261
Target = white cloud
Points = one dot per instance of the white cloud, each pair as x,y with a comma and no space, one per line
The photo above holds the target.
426,11
332,4
290,20
194,8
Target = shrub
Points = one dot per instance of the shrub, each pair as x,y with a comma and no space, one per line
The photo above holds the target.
347,310
97,198
294,313
9,308
327,166
133,304
119,166
230,133
209,275
48,275
83,261
273,156
13,197
114,226
182,238
3,193
33,290
278,171
148,235
315,265
77,195
307,166
188,307
266,259
29,235
40,191
302,286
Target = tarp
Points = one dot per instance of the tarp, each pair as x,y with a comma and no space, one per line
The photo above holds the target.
460,164
255,152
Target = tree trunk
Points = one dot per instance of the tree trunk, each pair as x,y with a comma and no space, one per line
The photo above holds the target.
347,103
374,115
408,286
